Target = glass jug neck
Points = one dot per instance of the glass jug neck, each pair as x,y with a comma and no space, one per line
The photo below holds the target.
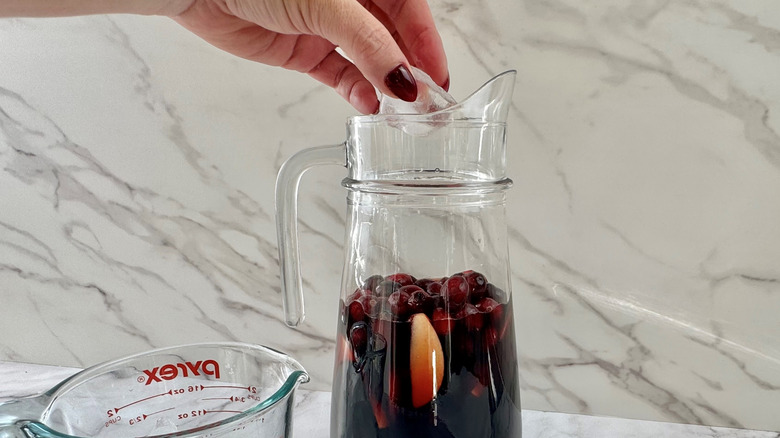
464,143
423,153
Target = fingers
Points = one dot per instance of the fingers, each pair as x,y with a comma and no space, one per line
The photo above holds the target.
304,53
376,35
422,43
367,42
337,72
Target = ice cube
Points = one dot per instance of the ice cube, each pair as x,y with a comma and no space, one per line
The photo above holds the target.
430,98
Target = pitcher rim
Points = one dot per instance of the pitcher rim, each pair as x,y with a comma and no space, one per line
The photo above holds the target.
380,118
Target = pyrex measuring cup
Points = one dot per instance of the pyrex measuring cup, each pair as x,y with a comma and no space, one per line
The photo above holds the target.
198,390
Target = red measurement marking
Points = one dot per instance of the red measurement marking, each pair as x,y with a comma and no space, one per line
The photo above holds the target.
248,388
232,398
158,412
233,412
143,400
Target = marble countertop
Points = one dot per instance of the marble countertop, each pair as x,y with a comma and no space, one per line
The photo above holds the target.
312,412
138,164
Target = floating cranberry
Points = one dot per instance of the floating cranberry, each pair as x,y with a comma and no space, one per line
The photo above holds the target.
386,288
434,288
372,282
399,304
455,292
358,338
442,321
401,278
411,288
471,316
487,305
477,284
496,293
420,301
355,311
424,282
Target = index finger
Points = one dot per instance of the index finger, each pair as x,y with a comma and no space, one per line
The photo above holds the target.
413,21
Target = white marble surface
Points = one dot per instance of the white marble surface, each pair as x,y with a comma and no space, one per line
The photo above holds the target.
137,178
312,408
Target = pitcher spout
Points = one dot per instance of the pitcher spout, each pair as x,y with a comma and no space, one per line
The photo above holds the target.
490,103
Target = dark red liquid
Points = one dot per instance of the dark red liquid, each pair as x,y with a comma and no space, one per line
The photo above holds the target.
478,396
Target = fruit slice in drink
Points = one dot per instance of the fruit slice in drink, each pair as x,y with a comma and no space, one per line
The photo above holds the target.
426,361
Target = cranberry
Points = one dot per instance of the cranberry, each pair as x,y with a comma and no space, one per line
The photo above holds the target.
496,293
493,311
442,321
420,301
386,287
487,305
402,279
424,282
434,288
358,338
411,288
372,282
399,304
471,316
477,284
356,312
455,292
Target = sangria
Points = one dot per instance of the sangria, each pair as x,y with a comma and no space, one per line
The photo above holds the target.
427,357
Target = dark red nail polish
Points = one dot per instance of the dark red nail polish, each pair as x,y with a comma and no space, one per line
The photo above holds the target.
446,84
401,82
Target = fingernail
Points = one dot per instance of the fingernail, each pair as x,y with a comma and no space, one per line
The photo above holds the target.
401,82
446,84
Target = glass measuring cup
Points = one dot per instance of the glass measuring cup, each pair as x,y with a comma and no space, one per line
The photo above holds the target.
197,390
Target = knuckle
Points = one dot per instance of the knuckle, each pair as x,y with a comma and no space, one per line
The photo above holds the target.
371,42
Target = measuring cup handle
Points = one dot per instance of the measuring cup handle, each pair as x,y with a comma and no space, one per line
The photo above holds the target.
15,413
287,222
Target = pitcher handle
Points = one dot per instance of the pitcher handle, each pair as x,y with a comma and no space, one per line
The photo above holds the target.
15,413
287,222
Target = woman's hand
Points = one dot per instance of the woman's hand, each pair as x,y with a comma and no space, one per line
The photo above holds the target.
382,37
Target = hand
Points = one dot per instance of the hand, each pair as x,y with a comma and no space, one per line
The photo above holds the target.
381,37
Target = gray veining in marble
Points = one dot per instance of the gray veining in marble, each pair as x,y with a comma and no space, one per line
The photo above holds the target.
136,191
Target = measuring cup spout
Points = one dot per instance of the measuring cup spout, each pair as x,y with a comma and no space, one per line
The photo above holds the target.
14,414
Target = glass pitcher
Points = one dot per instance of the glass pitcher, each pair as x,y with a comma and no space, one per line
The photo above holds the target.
425,342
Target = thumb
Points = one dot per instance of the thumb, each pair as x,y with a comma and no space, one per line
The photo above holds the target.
367,42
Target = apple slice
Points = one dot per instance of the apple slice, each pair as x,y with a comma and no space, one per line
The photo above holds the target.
426,361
